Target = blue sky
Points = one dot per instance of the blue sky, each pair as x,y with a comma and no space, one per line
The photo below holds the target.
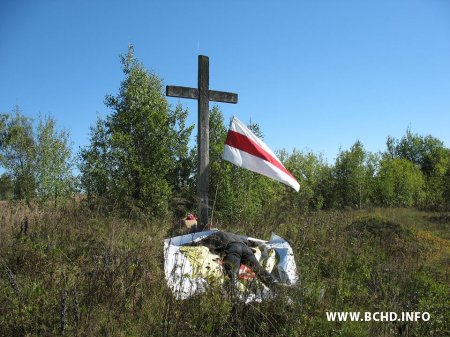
314,75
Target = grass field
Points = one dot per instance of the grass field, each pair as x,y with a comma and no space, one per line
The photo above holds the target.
77,272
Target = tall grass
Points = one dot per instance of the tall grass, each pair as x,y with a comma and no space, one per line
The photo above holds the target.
76,271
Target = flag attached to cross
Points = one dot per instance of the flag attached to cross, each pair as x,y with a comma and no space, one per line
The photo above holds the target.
244,149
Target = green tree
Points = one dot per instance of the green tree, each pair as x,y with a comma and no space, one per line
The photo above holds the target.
6,187
54,163
430,156
219,172
312,172
423,151
18,152
372,167
94,163
136,156
353,172
240,196
446,184
3,126
436,183
399,183
180,176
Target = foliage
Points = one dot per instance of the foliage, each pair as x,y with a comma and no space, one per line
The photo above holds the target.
139,154
446,189
3,125
18,153
241,196
54,164
429,154
357,179
353,173
94,162
423,151
314,175
77,272
399,183
39,162
6,187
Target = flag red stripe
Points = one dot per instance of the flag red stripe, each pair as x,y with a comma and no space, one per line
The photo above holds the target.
244,143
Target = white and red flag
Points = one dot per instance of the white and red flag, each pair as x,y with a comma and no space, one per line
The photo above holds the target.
244,149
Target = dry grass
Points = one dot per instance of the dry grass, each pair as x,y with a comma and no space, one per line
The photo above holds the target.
76,271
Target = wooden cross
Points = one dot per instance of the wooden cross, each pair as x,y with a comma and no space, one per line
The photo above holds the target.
203,95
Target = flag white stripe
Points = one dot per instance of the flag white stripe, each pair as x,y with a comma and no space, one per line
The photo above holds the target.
258,165
238,126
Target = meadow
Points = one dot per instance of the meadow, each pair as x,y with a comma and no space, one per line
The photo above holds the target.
76,270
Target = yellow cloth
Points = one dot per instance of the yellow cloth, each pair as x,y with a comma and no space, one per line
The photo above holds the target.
204,264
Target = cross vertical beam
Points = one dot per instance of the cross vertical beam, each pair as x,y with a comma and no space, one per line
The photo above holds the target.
203,95
203,139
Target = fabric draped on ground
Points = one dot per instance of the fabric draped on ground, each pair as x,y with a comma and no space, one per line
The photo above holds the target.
191,270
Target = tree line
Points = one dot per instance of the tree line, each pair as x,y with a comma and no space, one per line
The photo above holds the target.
36,158
139,160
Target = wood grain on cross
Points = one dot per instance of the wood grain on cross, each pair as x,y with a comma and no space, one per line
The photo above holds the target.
203,95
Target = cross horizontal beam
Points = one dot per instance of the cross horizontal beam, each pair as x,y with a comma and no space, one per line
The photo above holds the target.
192,93
182,92
222,96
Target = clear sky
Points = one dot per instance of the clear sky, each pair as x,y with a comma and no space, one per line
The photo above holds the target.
314,74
